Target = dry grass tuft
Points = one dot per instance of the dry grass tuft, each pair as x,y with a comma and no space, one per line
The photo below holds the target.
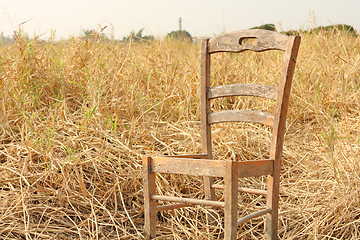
75,117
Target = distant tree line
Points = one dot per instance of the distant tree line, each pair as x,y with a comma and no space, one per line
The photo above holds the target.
331,29
135,36
139,37
91,34
185,35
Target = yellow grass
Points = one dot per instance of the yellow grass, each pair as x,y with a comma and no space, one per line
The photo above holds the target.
76,116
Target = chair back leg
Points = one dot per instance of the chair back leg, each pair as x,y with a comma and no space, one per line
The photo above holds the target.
271,222
208,190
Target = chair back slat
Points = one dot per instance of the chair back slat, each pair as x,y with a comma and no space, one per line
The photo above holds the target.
255,90
241,116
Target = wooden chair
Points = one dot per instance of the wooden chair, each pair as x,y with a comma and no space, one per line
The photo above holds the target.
204,164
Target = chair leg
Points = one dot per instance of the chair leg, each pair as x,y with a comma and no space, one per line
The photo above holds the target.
271,224
209,191
149,205
231,201
209,195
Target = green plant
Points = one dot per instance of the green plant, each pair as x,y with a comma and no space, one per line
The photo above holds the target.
179,34
138,37
270,27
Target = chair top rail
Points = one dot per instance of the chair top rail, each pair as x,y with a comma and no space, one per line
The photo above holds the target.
234,41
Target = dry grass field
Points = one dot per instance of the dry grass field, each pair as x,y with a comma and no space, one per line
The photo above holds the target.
76,116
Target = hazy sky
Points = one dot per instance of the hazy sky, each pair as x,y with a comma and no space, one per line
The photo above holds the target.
199,17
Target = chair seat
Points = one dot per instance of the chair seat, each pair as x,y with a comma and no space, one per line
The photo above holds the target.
209,167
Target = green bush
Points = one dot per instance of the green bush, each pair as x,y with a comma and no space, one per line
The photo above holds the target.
138,37
334,28
270,27
180,34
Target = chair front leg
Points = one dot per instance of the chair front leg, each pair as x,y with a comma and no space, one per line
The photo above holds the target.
231,201
149,205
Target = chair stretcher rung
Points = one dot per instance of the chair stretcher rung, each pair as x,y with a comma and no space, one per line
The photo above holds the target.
253,215
189,201
241,189
171,206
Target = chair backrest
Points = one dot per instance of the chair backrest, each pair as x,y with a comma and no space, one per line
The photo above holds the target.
235,42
